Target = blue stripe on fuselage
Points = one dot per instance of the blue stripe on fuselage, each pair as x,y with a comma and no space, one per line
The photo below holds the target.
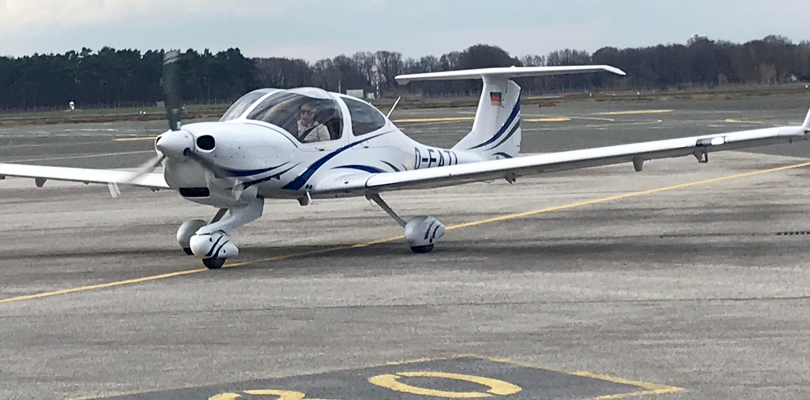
505,138
302,179
392,166
505,126
242,173
277,175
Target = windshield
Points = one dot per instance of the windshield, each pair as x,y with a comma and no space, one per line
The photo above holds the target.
240,106
309,118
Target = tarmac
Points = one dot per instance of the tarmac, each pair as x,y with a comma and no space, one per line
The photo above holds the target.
684,281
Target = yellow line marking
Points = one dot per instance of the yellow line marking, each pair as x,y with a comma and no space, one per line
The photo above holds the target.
393,239
496,386
393,363
650,388
622,196
634,112
596,119
419,120
135,139
78,157
20,146
569,117
555,119
100,286
739,121
279,394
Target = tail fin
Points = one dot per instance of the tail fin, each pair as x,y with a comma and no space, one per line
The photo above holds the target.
496,130
806,125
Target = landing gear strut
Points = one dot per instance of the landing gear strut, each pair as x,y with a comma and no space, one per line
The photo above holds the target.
421,232
212,242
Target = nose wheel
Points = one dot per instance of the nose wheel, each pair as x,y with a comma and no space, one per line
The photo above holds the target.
213,263
212,242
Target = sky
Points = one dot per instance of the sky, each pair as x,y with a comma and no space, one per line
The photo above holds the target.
317,29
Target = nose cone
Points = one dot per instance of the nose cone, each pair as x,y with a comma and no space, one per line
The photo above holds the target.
174,144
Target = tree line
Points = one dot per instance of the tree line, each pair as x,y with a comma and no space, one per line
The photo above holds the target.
122,78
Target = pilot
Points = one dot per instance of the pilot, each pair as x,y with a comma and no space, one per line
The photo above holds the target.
309,130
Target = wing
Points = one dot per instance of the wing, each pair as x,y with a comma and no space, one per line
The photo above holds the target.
42,173
637,153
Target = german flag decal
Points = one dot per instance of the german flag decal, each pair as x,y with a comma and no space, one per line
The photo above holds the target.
496,98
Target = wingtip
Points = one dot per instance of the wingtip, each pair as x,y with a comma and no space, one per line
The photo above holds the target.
615,70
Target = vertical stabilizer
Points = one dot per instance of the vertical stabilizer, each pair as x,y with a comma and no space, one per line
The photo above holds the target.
806,125
496,131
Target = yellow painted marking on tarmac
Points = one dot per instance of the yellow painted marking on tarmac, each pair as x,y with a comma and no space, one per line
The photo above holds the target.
136,139
225,396
393,239
100,286
414,361
569,117
634,112
555,119
123,153
623,196
421,120
496,387
649,388
281,394
596,119
739,121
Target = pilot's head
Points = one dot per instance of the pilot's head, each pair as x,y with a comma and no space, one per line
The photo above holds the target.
306,114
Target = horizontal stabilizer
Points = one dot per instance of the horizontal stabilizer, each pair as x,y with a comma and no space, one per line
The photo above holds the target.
506,72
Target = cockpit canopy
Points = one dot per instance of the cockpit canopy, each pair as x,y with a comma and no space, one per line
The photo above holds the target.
308,114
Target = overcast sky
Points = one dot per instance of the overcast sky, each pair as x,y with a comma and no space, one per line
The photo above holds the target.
315,29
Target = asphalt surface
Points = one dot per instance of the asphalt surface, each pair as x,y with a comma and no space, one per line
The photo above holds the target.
683,281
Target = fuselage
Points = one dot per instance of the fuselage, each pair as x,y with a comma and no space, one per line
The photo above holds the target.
257,148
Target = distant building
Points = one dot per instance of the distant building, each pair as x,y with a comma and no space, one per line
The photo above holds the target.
359,93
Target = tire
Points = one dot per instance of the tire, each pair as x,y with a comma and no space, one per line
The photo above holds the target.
422,249
213,263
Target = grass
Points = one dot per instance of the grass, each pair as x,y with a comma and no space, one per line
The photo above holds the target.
408,102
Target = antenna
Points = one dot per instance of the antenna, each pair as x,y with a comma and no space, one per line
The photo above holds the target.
393,107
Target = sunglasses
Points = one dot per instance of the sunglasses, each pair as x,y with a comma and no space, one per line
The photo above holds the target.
307,112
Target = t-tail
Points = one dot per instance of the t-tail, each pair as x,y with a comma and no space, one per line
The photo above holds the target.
496,130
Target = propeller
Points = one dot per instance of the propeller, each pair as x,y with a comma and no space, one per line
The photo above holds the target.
171,89
179,143
147,167
173,102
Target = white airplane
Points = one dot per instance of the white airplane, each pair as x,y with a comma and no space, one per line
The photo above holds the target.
256,152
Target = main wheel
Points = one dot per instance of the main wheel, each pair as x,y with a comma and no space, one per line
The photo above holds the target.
214,263
422,249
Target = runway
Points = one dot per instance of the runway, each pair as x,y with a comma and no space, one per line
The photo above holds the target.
683,281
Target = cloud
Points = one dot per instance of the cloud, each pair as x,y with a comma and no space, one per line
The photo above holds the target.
50,14
315,29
